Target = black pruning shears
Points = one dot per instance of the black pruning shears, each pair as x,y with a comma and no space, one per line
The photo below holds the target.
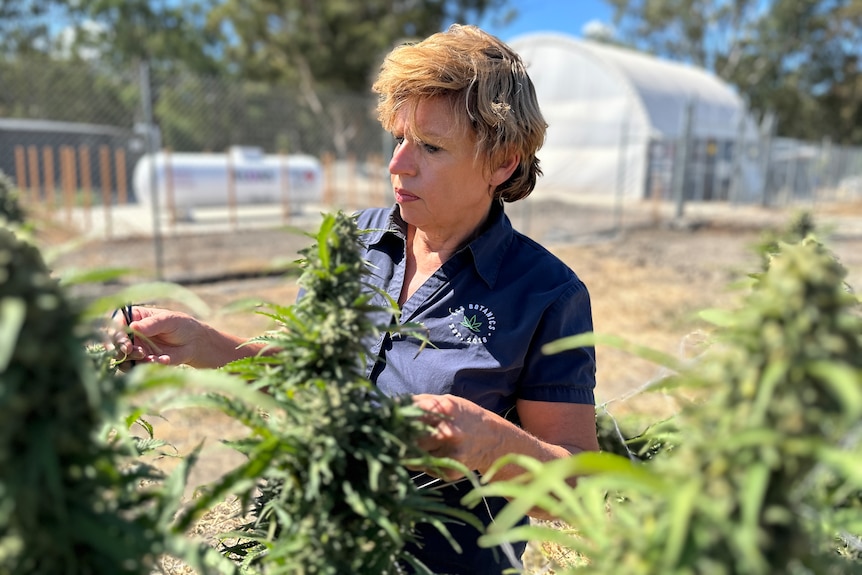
127,316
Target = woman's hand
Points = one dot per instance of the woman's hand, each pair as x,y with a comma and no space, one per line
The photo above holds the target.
175,338
476,437
459,431
159,336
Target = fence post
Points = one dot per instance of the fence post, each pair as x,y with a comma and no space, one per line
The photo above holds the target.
170,198
21,168
86,183
33,160
767,132
147,105
380,183
284,173
120,170
351,182
736,176
680,163
105,179
622,157
70,179
328,185
48,161
231,190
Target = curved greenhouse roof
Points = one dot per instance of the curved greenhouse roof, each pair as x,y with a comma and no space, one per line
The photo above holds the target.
661,88
606,105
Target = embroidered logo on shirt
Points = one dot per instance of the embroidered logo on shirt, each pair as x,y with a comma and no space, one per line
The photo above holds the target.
473,323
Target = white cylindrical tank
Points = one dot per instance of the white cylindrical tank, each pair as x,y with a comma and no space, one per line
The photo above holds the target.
201,180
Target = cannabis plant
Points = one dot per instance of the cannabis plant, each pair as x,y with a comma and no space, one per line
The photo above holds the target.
10,207
335,496
65,507
75,498
766,468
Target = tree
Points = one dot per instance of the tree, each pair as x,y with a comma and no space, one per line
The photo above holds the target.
24,25
313,48
327,45
335,43
163,32
798,58
69,90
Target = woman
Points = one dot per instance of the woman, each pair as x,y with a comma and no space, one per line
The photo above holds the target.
467,126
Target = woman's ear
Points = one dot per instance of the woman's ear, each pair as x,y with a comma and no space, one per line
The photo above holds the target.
503,171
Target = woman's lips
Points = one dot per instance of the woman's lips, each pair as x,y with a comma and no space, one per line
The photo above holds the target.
404,196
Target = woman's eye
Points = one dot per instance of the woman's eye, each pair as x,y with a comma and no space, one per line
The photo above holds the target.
431,149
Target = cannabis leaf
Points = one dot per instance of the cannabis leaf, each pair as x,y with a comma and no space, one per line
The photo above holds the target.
471,323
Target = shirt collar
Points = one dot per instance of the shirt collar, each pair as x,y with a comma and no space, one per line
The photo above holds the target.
395,226
487,249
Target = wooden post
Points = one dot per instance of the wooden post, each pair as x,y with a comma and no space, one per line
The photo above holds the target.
33,161
105,180
48,160
21,168
69,178
86,183
379,181
328,185
351,182
284,172
120,170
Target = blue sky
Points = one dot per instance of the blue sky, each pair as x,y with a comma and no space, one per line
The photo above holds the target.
567,16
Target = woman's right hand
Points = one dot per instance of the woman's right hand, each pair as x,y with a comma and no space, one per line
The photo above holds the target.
174,338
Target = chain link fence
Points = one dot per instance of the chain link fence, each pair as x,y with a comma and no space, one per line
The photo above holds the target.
72,135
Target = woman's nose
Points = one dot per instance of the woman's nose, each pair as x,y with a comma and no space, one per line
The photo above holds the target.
402,161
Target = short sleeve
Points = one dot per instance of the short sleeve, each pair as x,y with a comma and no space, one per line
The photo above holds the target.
568,376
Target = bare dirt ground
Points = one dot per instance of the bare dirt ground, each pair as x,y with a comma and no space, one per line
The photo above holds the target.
647,284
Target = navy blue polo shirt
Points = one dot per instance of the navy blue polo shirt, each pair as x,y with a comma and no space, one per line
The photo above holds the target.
487,310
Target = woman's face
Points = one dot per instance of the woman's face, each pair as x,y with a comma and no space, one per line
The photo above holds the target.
438,181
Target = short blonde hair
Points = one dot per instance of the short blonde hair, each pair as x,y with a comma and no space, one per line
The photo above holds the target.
488,87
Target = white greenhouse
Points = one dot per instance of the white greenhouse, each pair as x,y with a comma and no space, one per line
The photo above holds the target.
618,118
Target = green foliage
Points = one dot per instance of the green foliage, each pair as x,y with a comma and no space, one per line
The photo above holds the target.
800,227
65,504
619,439
334,43
75,497
336,497
122,32
66,90
10,208
765,473
326,452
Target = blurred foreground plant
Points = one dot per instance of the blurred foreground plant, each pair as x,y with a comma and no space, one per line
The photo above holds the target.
71,499
10,206
765,471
